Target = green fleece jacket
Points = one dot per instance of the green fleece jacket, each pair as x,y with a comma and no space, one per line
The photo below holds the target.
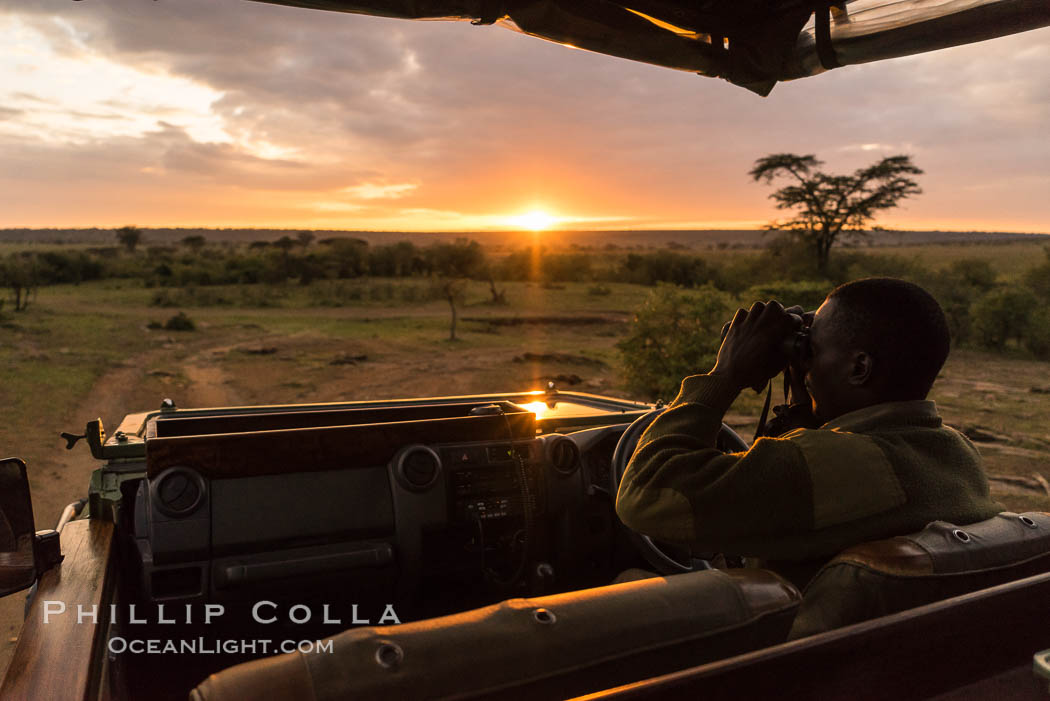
882,471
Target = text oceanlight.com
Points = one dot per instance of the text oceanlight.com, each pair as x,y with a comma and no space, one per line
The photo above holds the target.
202,646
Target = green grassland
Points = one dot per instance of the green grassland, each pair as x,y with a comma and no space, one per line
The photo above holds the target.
93,342
56,354
1008,260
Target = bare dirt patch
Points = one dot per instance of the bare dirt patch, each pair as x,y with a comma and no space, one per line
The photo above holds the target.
347,354
559,358
569,320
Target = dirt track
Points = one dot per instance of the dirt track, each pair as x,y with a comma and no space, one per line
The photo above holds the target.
58,476
304,367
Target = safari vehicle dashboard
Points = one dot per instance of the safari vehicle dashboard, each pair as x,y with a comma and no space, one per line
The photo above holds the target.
419,507
486,525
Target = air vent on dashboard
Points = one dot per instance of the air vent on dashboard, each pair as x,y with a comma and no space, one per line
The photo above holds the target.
564,455
417,467
178,492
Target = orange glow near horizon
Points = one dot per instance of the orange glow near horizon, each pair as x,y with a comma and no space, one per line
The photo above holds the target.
534,220
126,123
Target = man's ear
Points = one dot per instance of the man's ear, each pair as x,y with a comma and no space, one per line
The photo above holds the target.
861,369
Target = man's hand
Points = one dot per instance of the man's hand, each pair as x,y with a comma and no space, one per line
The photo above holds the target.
751,352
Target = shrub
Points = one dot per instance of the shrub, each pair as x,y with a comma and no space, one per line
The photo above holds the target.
809,294
1038,277
538,265
665,266
396,259
1001,315
674,334
1037,336
180,322
972,272
957,288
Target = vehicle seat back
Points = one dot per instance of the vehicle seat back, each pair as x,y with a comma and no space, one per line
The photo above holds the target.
555,646
940,561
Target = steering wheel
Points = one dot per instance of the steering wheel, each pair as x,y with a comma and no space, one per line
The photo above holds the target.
728,441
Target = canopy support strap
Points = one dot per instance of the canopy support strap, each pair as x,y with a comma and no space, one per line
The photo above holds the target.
825,51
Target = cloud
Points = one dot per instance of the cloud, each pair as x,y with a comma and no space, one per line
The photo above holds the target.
371,191
481,120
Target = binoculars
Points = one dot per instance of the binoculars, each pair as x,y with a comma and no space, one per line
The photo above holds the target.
794,347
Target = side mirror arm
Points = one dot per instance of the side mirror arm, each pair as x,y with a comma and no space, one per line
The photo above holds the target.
47,550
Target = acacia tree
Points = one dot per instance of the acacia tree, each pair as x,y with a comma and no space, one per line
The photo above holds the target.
21,274
195,243
828,206
452,264
285,244
129,237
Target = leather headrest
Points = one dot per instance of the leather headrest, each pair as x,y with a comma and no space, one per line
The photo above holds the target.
940,561
1005,540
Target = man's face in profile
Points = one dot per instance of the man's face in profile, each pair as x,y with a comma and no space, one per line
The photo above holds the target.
827,369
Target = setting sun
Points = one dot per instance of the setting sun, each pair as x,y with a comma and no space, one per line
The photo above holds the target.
534,220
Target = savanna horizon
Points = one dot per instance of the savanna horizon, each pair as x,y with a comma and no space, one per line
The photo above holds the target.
686,238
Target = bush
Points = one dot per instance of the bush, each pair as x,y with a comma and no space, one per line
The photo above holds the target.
1001,315
975,273
180,322
1037,336
665,266
565,267
1038,277
853,266
957,288
538,265
809,294
674,334
396,260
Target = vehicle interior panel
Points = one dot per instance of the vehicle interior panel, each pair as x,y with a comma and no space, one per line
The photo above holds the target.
467,516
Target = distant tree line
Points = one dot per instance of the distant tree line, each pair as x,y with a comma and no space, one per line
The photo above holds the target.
675,332
983,310
301,260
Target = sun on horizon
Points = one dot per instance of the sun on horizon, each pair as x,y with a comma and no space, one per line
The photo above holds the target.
534,220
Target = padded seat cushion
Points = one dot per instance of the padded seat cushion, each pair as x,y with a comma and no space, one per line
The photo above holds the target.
942,560
554,646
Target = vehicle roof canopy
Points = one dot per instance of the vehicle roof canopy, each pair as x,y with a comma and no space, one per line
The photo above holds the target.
751,43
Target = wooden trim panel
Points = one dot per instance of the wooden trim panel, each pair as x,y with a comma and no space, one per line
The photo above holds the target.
61,659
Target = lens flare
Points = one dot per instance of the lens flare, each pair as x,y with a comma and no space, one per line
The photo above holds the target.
534,220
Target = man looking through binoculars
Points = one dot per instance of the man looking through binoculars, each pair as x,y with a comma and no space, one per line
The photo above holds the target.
869,458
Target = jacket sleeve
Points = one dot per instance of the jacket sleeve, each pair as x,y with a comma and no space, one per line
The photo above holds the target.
679,488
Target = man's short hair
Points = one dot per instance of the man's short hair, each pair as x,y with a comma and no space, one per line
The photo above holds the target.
901,325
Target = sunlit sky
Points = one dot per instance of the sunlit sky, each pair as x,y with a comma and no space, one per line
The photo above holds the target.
228,113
